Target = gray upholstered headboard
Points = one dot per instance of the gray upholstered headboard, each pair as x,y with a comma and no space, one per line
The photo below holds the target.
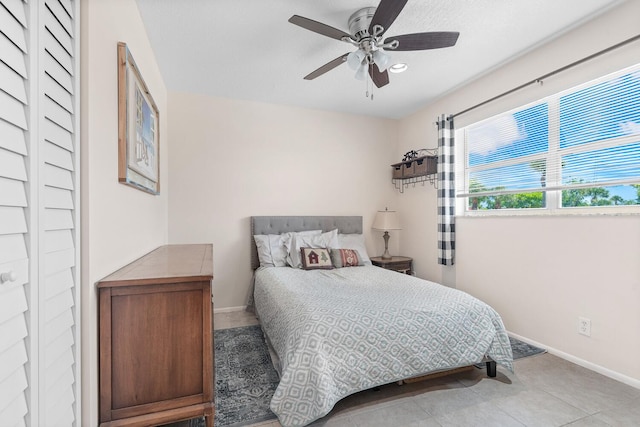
283,224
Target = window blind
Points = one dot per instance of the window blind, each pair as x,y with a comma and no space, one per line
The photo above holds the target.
588,136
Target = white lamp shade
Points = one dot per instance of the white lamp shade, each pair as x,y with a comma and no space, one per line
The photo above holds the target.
354,59
386,220
361,74
381,59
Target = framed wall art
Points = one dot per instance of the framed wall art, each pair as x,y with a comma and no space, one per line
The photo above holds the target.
138,128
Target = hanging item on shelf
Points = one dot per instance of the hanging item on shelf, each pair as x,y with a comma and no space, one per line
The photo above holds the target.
417,166
410,155
414,154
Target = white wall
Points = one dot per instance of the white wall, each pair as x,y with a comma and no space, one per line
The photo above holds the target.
230,160
119,223
541,273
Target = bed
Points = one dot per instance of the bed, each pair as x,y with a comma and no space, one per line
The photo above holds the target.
339,331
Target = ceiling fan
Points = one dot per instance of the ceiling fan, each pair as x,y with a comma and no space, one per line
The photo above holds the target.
367,26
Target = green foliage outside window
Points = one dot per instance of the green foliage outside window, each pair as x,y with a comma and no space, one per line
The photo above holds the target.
577,197
597,196
505,201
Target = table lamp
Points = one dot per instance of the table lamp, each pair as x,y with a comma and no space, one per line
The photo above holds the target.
386,220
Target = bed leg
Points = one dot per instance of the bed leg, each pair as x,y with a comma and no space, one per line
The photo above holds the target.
491,369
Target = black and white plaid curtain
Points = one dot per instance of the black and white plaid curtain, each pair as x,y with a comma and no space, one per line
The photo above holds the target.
446,191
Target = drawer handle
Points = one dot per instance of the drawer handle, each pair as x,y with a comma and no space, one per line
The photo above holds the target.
8,276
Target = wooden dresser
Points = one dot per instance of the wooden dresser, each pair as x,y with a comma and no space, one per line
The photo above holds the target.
156,339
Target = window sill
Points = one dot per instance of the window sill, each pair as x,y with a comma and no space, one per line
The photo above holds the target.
566,212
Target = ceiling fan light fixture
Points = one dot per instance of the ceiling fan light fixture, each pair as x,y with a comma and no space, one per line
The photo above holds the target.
354,59
398,68
381,59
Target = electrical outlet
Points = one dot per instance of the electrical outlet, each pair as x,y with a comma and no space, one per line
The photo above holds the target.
584,326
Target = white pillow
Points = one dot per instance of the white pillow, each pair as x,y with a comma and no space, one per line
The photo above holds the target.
272,248
264,250
324,240
354,241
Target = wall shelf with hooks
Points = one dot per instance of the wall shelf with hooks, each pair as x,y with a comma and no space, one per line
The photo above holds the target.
415,171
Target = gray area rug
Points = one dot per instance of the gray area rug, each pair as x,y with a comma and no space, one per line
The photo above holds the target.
246,379
521,349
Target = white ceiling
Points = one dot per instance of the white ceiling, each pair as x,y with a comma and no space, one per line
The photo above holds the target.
246,49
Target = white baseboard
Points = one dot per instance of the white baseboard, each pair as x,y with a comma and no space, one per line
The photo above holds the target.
229,309
584,363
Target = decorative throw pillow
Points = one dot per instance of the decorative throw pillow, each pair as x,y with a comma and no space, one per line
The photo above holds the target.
345,258
324,240
355,242
315,258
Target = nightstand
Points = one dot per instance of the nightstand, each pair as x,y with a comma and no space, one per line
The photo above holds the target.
401,264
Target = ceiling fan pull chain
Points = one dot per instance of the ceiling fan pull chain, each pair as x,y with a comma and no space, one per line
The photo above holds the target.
370,82
366,86
369,88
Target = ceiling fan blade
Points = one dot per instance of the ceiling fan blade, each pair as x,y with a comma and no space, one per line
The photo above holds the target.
379,78
386,13
318,27
327,67
423,41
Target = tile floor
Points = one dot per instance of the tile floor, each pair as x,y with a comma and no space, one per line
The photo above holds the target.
544,391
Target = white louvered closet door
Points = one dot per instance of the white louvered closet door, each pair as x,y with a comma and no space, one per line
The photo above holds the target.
14,186
39,310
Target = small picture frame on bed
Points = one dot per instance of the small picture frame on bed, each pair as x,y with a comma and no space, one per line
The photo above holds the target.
138,128
315,258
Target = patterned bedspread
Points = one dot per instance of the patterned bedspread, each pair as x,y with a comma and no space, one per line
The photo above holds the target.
341,331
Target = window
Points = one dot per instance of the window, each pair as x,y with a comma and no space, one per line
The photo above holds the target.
578,148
